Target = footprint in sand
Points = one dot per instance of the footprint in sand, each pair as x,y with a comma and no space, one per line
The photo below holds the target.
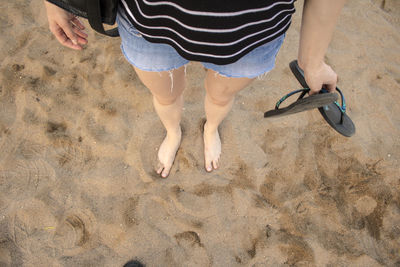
22,179
97,130
156,213
107,125
167,222
190,204
70,158
74,231
129,215
29,150
8,108
188,238
31,116
164,216
195,253
27,227
8,143
10,254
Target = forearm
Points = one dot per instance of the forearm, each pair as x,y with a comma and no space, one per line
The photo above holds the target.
318,23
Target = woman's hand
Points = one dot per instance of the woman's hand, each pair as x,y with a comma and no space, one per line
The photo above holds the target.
322,76
66,27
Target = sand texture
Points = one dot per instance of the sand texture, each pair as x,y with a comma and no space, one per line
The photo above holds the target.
79,137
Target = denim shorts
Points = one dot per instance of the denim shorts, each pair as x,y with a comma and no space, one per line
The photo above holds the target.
158,57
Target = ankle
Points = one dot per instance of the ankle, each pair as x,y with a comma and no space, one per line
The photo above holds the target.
210,128
177,132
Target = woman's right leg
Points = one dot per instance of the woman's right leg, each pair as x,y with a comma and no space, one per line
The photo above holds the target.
167,88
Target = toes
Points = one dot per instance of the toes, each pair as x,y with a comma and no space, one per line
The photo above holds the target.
159,171
208,166
211,165
165,172
215,164
160,168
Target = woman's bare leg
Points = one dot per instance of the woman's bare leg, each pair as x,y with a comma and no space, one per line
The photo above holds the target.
220,94
167,88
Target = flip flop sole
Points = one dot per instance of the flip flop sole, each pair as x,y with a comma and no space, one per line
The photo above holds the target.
330,112
333,116
298,73
303,104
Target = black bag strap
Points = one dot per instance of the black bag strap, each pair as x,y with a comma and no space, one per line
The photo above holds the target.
94,17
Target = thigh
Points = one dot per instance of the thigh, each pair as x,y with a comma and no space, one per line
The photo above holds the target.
221,88
166,86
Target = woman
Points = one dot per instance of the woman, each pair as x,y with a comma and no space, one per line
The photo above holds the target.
236,41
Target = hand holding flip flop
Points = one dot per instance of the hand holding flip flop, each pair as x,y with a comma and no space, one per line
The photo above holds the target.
333,112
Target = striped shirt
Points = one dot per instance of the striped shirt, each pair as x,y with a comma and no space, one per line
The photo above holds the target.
215,31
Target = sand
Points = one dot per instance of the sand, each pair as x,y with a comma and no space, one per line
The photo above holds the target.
79,136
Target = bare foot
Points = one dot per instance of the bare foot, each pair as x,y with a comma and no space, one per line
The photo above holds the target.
212,148
167,152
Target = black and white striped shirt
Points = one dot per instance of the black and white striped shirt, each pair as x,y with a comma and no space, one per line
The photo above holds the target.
216,31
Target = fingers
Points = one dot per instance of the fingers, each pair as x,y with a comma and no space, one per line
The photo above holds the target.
69,35
331,87
79,32
64,39
315,87
69,32
81,36
321,77
313,92
78,23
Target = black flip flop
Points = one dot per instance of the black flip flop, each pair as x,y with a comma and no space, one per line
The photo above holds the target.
302,104
334,113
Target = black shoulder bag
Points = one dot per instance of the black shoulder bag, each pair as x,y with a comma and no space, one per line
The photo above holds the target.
96,11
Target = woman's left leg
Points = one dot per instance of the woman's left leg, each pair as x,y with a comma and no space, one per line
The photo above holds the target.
220,95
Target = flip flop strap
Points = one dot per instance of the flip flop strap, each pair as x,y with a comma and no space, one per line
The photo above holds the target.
342,106
303,93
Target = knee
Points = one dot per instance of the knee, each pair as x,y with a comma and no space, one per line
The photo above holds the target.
167,94
219,95
166,100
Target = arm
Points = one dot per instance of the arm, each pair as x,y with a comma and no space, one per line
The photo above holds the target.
65,26
317,26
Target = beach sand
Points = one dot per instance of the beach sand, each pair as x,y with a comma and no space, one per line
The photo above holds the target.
79,138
